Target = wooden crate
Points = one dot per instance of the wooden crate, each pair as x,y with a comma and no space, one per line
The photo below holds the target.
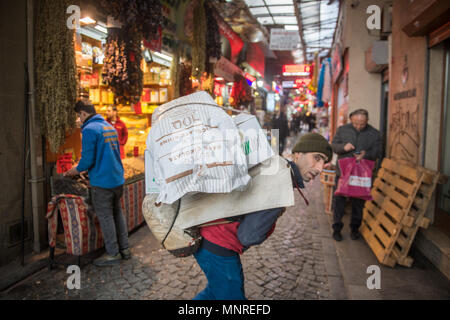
328,180
394,192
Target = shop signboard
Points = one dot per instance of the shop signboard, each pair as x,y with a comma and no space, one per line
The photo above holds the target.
226,69
288,84
249,77
284,40
270,103
255,57
296,70
235,42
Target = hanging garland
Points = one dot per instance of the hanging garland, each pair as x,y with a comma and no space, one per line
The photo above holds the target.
199,40
56,84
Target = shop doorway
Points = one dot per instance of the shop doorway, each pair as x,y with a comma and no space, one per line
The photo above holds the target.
442,218
384,115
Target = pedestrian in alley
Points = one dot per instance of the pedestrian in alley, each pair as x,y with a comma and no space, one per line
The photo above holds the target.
355,139
223,243
100,156
120,126
281,123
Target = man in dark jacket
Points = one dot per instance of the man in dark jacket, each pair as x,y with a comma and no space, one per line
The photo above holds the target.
222,243
100,156
361,140
281,123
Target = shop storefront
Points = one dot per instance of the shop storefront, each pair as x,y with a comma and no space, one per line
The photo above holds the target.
418,126
136,76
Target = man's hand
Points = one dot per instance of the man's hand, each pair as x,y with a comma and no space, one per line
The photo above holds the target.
349,147
72,172
360,156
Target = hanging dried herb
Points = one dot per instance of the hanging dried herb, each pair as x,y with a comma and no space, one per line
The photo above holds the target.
56,90
185,81
199,40
175,74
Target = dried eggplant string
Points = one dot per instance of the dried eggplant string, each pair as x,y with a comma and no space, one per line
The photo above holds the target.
122,69
140,19
213,44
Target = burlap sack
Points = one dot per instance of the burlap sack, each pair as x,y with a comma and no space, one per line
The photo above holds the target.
160,218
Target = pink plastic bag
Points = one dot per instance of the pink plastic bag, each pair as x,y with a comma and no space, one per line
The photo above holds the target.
356,178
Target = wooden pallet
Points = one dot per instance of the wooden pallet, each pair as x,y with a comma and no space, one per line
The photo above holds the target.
394,192
417,212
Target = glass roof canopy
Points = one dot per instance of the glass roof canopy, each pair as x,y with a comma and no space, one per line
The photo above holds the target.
317,17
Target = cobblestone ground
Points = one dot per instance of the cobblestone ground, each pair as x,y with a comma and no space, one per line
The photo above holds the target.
289,265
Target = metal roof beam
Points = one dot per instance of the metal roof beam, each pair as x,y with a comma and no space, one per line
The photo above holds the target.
300,28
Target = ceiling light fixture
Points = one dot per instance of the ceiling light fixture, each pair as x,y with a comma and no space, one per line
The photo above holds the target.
290,27
101,29
162,56
87,20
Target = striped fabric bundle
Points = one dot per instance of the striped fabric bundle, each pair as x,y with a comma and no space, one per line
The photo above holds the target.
82,231
131,202
195,146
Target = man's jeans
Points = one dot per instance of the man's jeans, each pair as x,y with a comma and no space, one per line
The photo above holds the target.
224,274
107,207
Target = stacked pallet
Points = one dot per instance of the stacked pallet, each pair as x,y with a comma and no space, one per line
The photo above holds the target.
401,195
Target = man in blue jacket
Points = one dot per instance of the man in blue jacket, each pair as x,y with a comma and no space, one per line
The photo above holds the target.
100,156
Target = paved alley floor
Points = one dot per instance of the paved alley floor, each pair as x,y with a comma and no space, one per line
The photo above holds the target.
289,265
299,261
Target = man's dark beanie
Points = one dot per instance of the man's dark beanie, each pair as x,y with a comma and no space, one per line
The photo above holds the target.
84,106
313,142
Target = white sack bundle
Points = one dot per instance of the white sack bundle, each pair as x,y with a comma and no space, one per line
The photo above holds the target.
194,146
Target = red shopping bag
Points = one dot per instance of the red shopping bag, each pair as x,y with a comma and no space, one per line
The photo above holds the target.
356,178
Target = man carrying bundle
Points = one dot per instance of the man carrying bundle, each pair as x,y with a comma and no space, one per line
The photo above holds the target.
218,255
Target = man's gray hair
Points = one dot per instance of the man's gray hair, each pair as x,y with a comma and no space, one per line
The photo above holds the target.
362,112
